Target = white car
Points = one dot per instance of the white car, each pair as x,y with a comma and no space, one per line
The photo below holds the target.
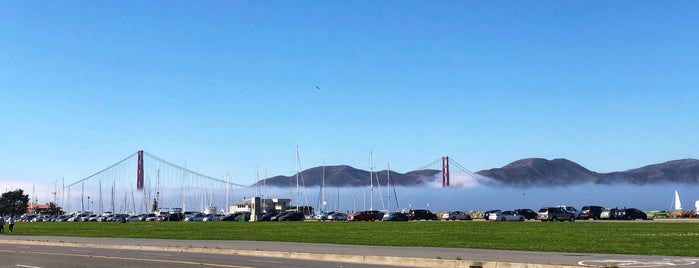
505,216
456,215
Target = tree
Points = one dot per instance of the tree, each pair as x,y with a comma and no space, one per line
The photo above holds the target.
14,203
54,209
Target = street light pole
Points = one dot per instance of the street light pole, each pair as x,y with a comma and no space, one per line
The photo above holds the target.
523,200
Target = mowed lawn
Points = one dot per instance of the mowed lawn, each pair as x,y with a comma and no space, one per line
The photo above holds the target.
646,238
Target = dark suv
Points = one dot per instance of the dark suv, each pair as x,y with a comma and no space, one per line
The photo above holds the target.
631,214
590,212
527,213
555,214
422,214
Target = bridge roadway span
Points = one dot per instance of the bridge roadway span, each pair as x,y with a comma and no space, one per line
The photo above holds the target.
381,255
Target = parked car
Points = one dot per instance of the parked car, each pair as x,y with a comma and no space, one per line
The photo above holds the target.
609,214
527,213
133,218
505,216
395,216
422,214
84,217
293,216
571,210
631,214
212,217
195,217
366,215
337,216
230,217
324,216
279,215
268,216
456,215
590,212
487,213
555,214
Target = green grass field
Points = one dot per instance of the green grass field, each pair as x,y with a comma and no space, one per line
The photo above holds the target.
646,238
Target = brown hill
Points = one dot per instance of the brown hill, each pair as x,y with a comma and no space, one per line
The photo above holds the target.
521,173
347,176
541,172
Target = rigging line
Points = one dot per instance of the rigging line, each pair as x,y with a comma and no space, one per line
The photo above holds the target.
395,195
117,163
378,183
190,171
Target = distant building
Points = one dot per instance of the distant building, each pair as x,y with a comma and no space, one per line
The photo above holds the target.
36,208
268,204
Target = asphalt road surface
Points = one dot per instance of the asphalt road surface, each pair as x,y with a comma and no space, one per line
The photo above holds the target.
55,251
35,256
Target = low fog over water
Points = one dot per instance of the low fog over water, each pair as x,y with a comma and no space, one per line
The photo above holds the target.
467,197
481,198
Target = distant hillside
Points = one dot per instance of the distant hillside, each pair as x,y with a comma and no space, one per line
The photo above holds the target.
558,172
541,172
677,171
346,176
521,173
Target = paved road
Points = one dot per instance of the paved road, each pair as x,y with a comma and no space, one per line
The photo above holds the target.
38,256
403,256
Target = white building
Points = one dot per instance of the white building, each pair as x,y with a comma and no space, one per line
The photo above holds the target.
269,204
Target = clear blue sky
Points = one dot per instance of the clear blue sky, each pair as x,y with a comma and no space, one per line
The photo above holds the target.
229,86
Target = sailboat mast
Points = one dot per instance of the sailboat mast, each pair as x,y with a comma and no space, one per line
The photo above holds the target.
297,178
322,190
388,185
228,190
371,180
184,187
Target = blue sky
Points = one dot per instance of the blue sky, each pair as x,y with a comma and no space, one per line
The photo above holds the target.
230,86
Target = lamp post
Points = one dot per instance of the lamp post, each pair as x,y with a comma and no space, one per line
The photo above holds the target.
523,200
88,203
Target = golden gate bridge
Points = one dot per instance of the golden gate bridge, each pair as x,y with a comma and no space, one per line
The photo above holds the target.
143,182
158,183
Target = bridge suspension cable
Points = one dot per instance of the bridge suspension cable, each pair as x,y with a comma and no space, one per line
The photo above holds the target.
432,164
158,183
190,171
101,171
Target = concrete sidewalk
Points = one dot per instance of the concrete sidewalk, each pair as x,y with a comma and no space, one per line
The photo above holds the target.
400,256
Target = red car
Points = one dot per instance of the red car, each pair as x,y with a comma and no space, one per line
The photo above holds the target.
366,215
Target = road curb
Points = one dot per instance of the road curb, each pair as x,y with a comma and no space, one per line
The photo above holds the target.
360,259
